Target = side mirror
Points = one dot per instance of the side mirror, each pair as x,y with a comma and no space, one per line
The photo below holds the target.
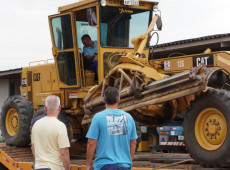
91,16
159,22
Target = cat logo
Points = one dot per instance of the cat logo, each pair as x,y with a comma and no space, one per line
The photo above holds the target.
206,59
36,76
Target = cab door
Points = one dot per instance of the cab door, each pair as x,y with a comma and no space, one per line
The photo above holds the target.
64,50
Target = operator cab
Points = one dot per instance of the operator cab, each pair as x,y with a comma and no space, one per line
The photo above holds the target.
112,27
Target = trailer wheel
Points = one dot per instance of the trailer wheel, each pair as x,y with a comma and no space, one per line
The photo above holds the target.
207,128
153,136
62,117
16,116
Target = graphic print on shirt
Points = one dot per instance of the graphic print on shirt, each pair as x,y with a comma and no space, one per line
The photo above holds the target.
116,124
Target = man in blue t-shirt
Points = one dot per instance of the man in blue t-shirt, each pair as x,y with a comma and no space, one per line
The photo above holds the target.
112,134
90,51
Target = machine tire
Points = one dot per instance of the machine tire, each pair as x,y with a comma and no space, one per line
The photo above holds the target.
139,134
207,128
41,110
16,117
151,121
62,117
2,167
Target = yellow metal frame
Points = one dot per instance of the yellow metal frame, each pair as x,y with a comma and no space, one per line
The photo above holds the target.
220,60
11,164
144,4
143,146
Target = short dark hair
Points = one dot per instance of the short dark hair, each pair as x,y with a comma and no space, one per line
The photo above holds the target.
85,37
111,95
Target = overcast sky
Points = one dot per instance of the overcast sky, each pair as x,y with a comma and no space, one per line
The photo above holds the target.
25,36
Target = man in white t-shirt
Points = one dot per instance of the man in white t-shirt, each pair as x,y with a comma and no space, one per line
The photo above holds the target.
49,139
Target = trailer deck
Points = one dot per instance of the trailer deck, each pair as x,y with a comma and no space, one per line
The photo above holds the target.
21,158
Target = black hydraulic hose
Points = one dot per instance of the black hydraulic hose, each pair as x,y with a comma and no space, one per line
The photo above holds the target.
153,47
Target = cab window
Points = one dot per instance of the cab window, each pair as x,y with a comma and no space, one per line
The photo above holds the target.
62,32
119,25
66,68
84,26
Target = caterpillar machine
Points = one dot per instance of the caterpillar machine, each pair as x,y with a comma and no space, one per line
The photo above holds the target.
152,92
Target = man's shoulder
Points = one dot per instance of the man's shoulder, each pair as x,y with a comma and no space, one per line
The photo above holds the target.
105,112
99,114
127,114
85,49
48,120
38,120
59,123
123,112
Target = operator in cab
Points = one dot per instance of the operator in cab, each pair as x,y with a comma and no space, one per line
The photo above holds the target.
90,52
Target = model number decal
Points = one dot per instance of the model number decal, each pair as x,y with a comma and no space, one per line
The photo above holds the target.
23,82
167,65
180,63
36,76
206,59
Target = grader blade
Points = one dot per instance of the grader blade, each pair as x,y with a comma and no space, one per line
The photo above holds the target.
156,92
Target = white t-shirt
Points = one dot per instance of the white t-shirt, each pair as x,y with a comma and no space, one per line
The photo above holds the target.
49,135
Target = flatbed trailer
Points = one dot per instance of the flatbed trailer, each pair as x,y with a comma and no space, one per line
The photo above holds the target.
21,158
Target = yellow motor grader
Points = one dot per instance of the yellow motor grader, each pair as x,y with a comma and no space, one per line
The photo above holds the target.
151,94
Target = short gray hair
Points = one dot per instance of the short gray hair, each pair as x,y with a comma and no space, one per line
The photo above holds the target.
111,95
52,102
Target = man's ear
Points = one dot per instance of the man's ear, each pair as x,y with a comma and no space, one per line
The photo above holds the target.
45,108
59,108
118,100
104,100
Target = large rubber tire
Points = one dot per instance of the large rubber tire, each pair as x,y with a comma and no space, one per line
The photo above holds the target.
16,116
139,134
40,111
62,117
2,167
207,128
155,121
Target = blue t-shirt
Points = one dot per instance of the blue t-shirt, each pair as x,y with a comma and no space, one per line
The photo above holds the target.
113,129
90,51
